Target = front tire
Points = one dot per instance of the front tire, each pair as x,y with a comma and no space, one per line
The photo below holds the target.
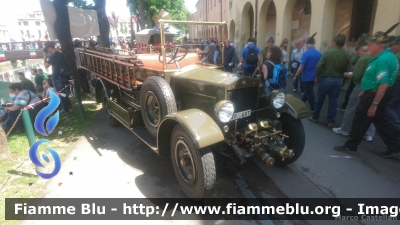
296,141
194,168
111,121
156,101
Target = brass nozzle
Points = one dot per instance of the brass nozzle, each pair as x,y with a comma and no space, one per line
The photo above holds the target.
270,161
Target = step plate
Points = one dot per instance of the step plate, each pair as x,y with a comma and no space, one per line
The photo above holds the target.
146,137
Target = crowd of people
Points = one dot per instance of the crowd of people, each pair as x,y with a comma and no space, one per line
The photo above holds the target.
39,89
372,99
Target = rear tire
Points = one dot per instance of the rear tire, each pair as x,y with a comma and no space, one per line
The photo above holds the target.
112,122
296,141
156,101
194,168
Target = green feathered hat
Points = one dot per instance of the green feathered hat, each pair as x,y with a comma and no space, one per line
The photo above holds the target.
362,41
311,40
382,37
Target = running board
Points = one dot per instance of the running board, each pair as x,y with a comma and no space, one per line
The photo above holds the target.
146,137
141,133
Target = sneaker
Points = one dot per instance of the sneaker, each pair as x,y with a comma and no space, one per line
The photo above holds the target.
339,131
341,109
368,138
312,120
294,90
344,149
331,125
389,154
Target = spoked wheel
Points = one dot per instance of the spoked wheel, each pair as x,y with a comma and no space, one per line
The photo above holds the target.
107,110
194,168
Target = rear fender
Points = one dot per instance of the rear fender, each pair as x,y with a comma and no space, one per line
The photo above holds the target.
201,127
295,108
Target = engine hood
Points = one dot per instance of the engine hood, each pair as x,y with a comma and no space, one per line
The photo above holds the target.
205,75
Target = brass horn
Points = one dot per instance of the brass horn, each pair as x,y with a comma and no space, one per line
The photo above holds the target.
162,15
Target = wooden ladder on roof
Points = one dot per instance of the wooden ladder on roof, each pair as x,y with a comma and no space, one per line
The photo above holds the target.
115,68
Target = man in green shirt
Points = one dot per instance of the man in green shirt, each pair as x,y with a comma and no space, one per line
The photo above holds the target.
40,72
393,108
355,77
270,43
38,80
376,85
354,60
329,74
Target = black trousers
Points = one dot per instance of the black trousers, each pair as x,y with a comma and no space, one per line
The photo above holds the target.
348,93
361,123
309,94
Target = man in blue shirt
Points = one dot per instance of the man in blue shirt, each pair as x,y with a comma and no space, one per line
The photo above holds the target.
308,64
57,61
251,61
229,56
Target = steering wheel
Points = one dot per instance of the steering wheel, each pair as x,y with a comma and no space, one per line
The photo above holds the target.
172,55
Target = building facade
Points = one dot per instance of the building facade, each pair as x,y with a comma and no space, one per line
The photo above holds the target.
293,19
211,10
31,25
123,26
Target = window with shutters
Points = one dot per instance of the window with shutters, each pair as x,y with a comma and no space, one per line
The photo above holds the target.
362,18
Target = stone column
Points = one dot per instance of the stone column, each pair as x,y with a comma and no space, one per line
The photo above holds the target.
322,21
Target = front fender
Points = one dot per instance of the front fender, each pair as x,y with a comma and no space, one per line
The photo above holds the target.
201,127
296,108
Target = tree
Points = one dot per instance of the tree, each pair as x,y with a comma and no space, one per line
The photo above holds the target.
145,10
63,31
104,25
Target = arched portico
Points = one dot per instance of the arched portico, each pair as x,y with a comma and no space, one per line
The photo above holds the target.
232,30
247,23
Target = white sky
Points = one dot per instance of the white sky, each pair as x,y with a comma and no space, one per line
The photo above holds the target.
12,8
191,5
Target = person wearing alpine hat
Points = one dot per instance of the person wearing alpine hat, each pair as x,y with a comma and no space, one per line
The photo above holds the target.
329,74
355,77
376,86
308,62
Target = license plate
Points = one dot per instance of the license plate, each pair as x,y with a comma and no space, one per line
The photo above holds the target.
241,115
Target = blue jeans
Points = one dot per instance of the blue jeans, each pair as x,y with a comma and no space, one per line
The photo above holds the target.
65,102
328,86
11,118
393,108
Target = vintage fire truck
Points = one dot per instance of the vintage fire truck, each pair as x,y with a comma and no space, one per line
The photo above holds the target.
188,110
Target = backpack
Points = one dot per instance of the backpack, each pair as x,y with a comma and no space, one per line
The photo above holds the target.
252,56
279,76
